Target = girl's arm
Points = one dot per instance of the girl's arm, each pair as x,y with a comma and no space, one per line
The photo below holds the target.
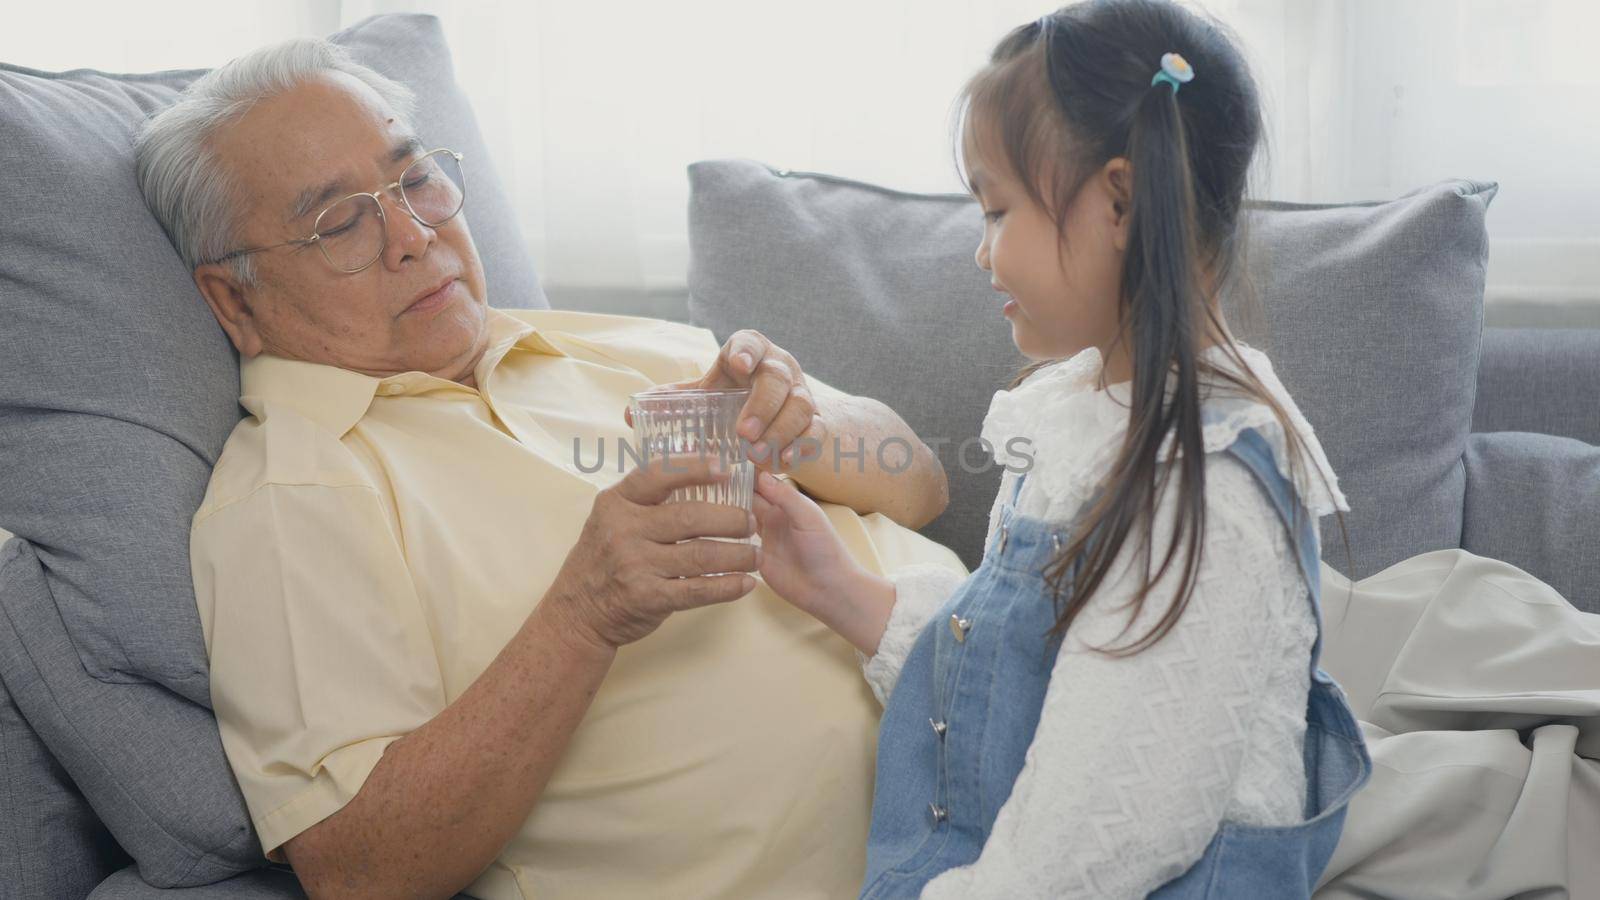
1136,759
920,591
803,561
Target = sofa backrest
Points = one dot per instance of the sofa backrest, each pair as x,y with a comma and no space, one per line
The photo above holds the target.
1371,313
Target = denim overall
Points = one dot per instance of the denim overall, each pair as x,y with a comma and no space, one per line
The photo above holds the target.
965,708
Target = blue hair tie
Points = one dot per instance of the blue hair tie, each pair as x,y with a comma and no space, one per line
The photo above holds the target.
1175,70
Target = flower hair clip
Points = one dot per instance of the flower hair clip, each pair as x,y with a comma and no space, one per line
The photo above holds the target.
1175,70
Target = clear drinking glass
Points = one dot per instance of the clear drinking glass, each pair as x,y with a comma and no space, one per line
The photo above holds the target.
692,423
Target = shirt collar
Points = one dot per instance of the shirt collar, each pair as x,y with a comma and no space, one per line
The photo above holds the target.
1080,373
337,398
1078,429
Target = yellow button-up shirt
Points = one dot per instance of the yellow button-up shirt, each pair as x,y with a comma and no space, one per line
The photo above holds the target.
367,546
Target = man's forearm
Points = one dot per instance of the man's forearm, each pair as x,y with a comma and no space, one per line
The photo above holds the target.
872,461
444,800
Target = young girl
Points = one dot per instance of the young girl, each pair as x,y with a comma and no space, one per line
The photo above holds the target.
1075,719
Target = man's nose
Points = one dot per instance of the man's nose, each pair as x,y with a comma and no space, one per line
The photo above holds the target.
407,237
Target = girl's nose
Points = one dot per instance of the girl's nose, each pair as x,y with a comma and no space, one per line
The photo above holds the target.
982,256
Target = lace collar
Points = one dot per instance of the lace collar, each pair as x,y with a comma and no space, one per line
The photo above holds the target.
1071,430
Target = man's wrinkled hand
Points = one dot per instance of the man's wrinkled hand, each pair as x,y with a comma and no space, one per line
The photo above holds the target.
639,559
781,421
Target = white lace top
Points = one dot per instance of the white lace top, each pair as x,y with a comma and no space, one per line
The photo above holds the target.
1137,760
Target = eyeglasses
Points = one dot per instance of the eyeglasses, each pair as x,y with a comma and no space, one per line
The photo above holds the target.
353,232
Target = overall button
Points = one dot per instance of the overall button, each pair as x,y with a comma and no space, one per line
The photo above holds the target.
939,728
1005,532
1055,543
959,627
939,813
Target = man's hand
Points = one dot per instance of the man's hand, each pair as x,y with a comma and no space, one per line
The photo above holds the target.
840,448
781,409
640,559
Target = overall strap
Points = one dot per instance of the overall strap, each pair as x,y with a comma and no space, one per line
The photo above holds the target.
1016,487
1255,452
1008,514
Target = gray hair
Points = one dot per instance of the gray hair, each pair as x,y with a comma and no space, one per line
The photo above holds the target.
185,185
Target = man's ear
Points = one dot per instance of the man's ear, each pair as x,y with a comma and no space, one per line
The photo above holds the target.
230,304
1116,179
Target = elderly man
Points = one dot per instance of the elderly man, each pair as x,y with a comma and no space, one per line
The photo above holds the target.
445,655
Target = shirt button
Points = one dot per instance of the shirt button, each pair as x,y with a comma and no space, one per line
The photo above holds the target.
939,813
389,390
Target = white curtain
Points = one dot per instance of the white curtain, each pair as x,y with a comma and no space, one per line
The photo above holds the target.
118,36
1368,99
593,108
596,108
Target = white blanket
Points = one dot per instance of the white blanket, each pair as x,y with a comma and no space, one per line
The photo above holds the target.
1479,690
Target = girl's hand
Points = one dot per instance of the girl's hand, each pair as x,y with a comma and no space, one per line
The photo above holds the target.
803,559
804,562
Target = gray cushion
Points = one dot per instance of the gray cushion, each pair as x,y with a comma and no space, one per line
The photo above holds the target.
1533,500
1373,320
117,391
876,292
1372,316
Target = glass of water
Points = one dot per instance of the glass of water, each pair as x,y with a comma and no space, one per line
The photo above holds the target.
693,423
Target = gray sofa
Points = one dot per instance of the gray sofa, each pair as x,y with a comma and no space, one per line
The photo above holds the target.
117,390
1444,434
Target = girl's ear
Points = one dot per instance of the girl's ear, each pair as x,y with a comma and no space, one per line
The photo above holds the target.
1116,179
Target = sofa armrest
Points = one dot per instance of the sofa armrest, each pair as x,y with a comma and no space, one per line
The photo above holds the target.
1533,500
51,843
1543,380
150,763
